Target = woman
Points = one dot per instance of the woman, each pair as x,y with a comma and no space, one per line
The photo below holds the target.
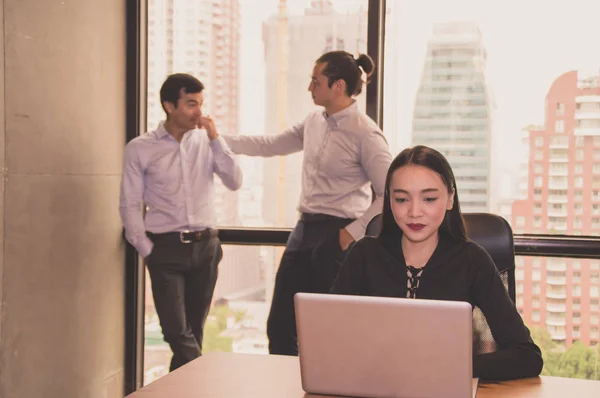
423,252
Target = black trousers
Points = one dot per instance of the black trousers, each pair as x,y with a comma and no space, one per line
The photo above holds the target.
183,277
310,263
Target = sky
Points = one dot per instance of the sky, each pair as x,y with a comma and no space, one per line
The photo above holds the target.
529,43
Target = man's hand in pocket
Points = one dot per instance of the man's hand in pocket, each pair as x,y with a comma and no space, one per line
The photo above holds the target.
345,239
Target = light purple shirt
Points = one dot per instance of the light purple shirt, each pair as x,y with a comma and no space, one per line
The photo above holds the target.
343,154
174,181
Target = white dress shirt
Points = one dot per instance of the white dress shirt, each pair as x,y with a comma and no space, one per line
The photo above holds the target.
174,180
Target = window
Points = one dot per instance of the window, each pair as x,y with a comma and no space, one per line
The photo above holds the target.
539,154
233,51
560,141
579,168
539,141
539,168
519,273
441,96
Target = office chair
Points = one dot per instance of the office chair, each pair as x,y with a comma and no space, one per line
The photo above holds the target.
494,234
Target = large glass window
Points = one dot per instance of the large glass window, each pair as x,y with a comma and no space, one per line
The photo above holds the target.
519,125
516,111
255,61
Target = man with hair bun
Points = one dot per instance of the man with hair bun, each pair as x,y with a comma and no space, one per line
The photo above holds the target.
345,153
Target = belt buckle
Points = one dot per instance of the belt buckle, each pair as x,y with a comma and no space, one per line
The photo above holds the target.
181,236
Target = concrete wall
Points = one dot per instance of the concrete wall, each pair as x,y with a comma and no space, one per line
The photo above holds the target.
62,131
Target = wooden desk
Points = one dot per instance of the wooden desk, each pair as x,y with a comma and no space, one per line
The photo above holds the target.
221,375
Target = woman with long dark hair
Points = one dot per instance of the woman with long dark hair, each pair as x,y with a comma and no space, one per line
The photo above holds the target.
423,252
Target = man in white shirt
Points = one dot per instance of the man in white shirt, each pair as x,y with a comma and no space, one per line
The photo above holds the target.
171,170
344,153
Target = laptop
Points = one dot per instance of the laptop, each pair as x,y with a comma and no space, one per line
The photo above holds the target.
384,347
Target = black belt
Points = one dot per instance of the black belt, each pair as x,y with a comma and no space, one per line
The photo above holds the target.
317,217
189,236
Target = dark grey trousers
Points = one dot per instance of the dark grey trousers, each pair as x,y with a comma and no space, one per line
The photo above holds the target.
183,277
310,263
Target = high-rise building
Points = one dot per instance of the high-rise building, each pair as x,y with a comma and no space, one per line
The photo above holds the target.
453,109
563,197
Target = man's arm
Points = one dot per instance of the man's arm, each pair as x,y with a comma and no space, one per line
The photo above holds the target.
225,165
132,191
289,141
516,356
375,159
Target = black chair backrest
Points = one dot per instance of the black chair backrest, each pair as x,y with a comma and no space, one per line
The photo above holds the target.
494,234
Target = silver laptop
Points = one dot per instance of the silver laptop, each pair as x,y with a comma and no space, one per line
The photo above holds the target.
384,347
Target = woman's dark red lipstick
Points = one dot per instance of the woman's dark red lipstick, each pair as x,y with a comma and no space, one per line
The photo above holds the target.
416,227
